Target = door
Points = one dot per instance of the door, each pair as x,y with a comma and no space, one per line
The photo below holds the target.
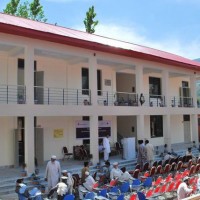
186,129
39,146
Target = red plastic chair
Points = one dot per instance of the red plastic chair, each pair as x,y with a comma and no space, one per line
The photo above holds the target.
149,193
163,188
157,189
171,187
168,178
158,181
133,196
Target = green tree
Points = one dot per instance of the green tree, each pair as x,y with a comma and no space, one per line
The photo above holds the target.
33,10
36,11
89,20
11,7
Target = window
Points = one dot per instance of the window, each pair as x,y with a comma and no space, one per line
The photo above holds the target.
85,81
86,118
154,86
99,82
156,126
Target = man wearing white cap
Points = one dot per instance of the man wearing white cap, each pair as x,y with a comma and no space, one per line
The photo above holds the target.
53,172
183,190
115,172
87,185
70,180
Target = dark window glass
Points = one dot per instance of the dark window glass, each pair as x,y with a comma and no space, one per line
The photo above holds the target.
185,84
186,118
85,81
100,118
86,118
99,82
154,86
20,63
156,126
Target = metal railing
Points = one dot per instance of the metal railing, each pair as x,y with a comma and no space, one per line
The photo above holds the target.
108,98
179,101
12,94
61,96
153,100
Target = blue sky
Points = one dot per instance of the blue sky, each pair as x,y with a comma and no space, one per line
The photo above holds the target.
169,25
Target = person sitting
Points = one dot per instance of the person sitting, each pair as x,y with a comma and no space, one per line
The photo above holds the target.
84,169
125,175
168,156
115,172
61,189
70,180
87,185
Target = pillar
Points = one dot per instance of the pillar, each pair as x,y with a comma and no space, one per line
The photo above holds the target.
140,127
193,89
94,139
29,145
29,74
167,131
93,79
139,81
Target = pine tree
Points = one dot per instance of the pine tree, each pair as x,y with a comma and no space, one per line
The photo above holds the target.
11,7
89,20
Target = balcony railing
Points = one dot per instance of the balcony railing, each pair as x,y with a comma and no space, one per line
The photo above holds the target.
182,102
151,100
12,94
61,96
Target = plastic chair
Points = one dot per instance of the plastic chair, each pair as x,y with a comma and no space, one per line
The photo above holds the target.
171,187
90,195
69,197
136,185
103,193
124,187
145,167
133,197
147,182
149,193
141,196
158,181
136,173
120,197
152,171
66,153
179,165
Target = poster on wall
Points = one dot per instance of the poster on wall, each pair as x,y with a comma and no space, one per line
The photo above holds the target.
58,133
83,129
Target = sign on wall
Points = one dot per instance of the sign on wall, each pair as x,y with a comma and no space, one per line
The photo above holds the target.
58,133
83,129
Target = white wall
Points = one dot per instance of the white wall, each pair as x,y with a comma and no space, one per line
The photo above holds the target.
7,124
177,132
53,146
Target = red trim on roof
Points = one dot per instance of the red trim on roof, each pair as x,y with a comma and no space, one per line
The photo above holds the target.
37,30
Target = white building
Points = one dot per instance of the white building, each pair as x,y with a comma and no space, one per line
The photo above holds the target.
52,78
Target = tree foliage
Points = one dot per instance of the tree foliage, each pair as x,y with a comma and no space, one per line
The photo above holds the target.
33,10
89,20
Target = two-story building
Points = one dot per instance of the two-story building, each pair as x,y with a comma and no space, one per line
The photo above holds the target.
63,87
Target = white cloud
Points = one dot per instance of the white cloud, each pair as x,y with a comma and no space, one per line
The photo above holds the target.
173,44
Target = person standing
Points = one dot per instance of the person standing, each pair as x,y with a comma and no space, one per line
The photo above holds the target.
150,152
53,172
84,169
106,146
141,157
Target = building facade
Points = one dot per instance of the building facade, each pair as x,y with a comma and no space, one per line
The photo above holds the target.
61,87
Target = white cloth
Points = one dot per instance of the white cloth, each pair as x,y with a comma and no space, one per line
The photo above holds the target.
70,183
167,157
106,146
62,189
150,152
115,173
88,186
183,191
125,176
52,173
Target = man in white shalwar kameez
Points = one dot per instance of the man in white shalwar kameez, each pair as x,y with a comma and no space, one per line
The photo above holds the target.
150,152
115,172
106,146
53,172
70,180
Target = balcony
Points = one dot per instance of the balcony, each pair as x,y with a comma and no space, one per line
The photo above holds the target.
61,96
12,94
186,102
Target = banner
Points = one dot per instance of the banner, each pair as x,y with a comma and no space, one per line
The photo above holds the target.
83,129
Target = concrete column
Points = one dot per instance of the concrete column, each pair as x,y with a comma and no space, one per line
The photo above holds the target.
193,89
140,127
94,139
167,131
165,87
139,81
29,144
93,79
29,74
194,128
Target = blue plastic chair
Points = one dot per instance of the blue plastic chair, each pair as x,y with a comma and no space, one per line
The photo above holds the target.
21,197
69,197
124,187
136,184
141,196
114,189
120,197
103,193
147,182
90,195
